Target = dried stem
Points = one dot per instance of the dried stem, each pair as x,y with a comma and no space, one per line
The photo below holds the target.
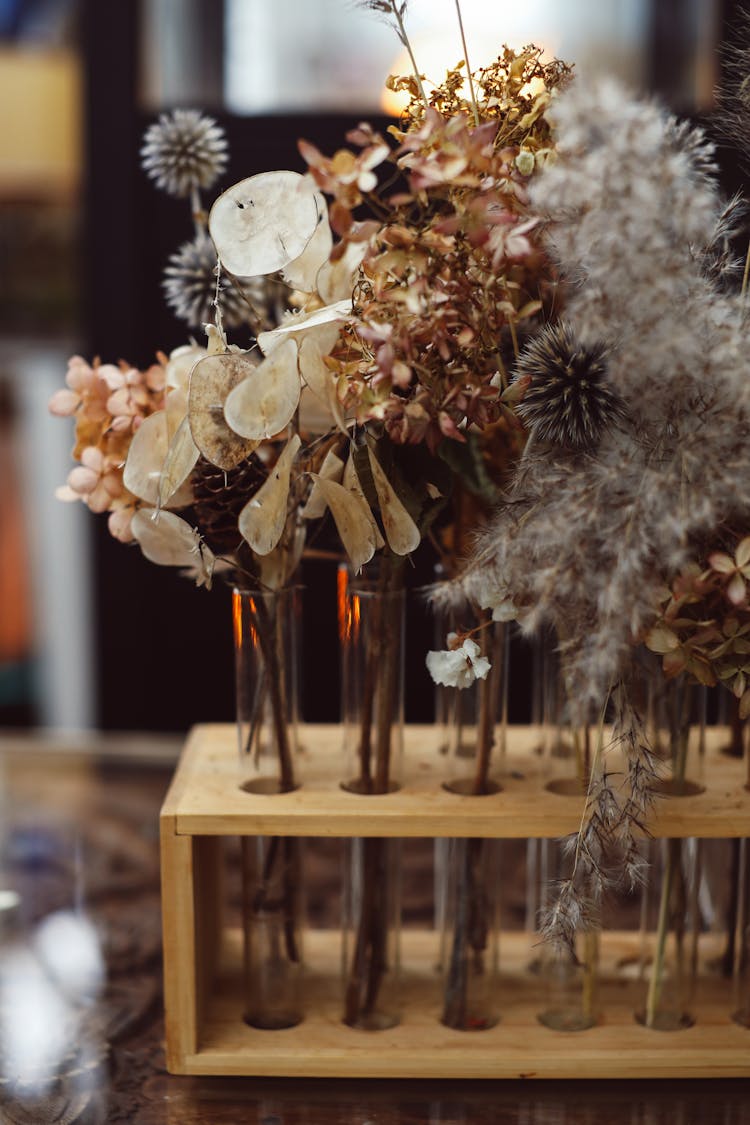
489,692
379,692
470,934
369,961
466,60
270,639
405,40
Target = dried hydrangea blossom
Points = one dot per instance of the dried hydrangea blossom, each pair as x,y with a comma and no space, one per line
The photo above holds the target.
704,626
109,404
452,268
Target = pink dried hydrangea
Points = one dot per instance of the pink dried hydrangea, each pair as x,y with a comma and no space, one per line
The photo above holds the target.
109,402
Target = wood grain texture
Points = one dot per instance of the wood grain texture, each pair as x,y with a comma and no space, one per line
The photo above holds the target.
182,972
205,798
518,1047
206,1034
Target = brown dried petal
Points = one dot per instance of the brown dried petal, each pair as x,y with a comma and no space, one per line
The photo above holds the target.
262,520
210,383
264,402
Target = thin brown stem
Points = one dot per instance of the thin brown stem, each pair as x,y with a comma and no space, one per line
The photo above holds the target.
468,67
489,695
270,641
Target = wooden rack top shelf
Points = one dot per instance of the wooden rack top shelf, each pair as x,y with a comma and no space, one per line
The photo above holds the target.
205,798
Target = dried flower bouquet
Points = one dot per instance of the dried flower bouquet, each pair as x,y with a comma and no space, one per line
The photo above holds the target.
524,292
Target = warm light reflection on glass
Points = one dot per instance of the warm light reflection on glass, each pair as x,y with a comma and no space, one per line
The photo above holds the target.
342,584
237,618
252,611
348,604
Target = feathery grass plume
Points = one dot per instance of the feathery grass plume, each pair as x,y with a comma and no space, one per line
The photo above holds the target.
586,540
732,117
183,152
567,401
720,263
189,286
643,774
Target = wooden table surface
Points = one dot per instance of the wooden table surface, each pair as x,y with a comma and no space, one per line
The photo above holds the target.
79,844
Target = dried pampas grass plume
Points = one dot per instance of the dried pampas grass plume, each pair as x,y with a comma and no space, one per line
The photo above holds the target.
586,538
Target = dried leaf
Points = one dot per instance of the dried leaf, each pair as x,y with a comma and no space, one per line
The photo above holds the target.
302,273
179,463
277,568
745,705
353,483
320,379
176,408
331,469
662,640
722,563
262,520
168,540
263,223
325,323
146,456
353,520
181,362
264,402
400,529
736,590
210,383
673,664
336,279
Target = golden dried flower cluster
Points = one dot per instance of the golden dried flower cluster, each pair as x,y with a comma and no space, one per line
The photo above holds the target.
450,264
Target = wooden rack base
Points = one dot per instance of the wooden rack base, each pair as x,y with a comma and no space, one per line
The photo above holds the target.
202,959
420,1046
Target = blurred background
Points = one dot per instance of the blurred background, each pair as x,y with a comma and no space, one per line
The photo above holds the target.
92,635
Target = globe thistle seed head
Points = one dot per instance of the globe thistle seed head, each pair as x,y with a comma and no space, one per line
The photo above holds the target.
189,286
183,151
568,401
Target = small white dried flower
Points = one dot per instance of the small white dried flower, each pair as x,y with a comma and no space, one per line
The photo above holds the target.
183,151
459,665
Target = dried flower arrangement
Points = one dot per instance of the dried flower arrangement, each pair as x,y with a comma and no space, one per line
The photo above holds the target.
624,527
526,292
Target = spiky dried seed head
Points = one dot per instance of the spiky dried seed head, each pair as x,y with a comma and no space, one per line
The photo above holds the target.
183,151
189,286
568,401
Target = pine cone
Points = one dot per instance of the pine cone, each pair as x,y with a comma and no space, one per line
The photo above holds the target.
220,496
